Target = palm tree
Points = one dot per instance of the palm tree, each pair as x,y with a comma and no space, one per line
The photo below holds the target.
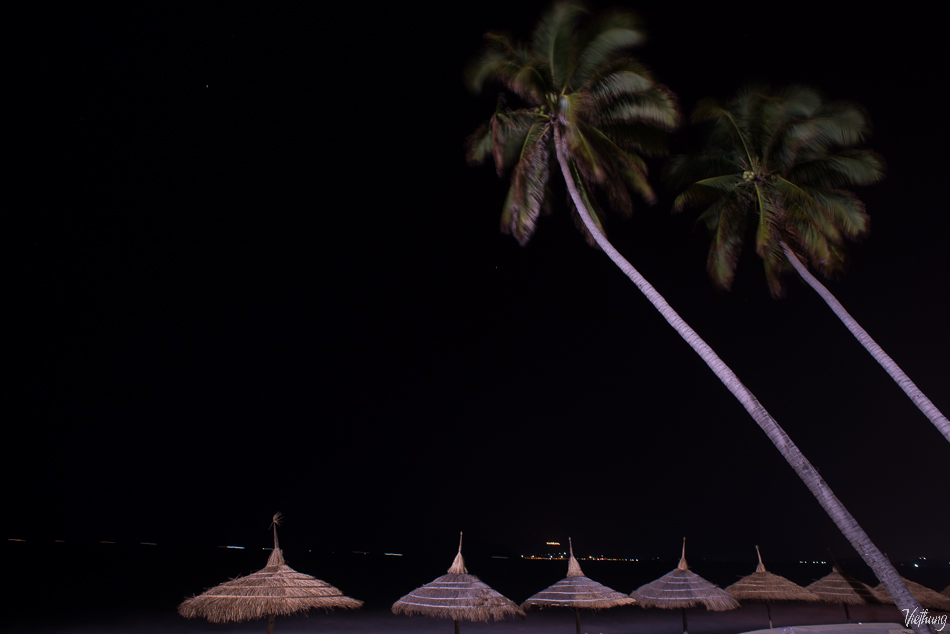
778,164
606,106
589,108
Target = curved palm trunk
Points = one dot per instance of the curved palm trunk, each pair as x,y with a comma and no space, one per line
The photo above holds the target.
874,558
920,400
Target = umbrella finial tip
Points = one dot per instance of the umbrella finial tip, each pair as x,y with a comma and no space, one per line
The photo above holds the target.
682,565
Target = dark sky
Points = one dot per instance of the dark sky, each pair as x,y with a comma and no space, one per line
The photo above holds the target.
270,282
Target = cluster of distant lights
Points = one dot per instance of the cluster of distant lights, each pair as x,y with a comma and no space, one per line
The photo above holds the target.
548,557
563,556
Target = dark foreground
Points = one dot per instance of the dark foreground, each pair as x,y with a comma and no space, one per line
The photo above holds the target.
626,620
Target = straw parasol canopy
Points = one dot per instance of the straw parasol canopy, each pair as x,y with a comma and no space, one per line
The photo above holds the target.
457,596
762,585
577,592
927,598
946,591
683,589
839,587
275,590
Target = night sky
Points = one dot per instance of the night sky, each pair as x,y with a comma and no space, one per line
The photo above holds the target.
263,278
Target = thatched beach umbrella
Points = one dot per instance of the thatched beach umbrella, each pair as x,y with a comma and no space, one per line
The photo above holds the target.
683,589
577,592
946,591
927,598
273,591
457,596
762,585
838,587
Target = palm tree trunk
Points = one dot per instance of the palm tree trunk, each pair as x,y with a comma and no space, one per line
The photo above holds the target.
922,402
874,558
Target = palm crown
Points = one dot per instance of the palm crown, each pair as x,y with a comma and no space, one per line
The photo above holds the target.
608,108
779,164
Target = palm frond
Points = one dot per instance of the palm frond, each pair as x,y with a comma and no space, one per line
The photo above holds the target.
799,101
551,40
761,120
844,211
529,184
845,168
835,211
501,137
637,138
509,133
815,218
837,124
681,171
607,37
623,81
709,110
818,249
707,190
510,64
656,106
771,229
622,169
783,158
479,144
499,56
793,193
609,170
727,132
579,147
710,217
606,106
727,226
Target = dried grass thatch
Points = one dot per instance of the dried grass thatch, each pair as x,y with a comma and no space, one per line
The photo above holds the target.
683,589
927,598
458,596
275,590
946,591
839,587
762,585
577,592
